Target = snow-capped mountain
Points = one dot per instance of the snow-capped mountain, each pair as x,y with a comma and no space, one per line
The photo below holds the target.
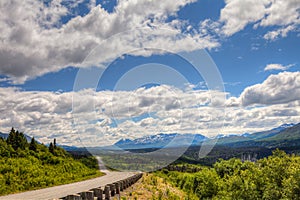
174,140
284,126
160,140
228,139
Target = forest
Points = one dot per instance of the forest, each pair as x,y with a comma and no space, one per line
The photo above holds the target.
270,178
29,165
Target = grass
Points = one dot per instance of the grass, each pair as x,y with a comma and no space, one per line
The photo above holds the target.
152,187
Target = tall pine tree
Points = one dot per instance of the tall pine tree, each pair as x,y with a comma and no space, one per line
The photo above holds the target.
11,139
51,148
54,143
33,145
16,139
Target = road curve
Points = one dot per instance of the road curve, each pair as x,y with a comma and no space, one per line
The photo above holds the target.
57,192
73,188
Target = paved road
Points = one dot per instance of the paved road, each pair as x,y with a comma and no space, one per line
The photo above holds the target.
73,188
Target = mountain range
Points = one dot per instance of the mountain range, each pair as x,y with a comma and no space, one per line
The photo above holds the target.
286,135
283,135
257,136
161,140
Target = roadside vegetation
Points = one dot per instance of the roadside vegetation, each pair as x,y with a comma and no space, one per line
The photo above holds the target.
153,187
29,165
271,178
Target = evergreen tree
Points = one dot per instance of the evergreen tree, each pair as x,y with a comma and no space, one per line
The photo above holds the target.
51,148
21,140
16,139
33,145
54,143
11,139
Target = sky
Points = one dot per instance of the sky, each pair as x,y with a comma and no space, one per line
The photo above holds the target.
91,72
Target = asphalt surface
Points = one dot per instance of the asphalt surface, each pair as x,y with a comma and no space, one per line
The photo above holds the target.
57,192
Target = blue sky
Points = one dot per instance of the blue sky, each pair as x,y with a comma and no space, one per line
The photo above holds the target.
255,46
241,58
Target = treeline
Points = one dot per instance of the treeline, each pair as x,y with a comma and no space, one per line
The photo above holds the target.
29,165
271,178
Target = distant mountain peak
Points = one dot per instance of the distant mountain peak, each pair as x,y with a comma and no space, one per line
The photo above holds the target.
123,141
160,140
246,134
284,126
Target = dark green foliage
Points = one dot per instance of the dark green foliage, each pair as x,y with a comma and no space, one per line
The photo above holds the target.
51,148
16,139
31,166
33,145
5,149
275,177
90,162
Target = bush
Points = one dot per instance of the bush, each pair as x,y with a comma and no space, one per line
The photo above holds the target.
275,177
35,167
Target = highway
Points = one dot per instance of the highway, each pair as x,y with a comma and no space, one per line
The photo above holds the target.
57,192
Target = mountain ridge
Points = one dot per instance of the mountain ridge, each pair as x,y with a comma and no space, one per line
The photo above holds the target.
248,139
161,140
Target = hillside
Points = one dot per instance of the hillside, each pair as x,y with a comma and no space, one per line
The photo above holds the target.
253,138
256,146
270,133
26,166
151,186
283,135
291,133
274,177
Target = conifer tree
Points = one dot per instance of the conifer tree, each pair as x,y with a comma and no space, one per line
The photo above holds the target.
54,143
16,139
51,148
21,140
11,139
33,145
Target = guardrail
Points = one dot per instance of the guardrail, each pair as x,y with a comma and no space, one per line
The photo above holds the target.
107,192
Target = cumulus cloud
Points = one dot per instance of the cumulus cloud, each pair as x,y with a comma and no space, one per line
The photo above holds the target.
281,32
34,42
94,118
276,89
270,67
236,15
91,116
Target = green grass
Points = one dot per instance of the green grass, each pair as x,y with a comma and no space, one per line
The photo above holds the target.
22,174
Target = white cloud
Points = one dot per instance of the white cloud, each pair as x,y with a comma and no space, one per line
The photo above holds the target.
104,117
34,42
281,32
236,15
281,13
47,114
276,89
278,99
270,67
